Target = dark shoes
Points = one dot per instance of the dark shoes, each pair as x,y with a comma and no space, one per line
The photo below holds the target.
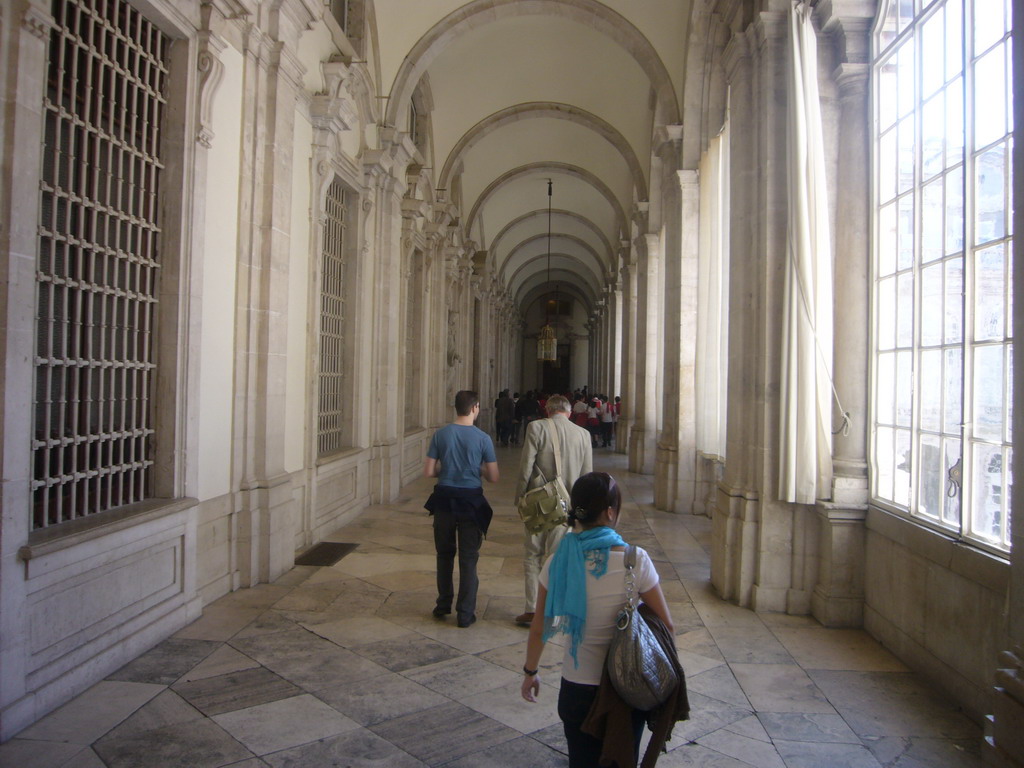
463,623
524,619
440,613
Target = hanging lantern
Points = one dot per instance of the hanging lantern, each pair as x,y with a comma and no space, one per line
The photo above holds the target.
547,344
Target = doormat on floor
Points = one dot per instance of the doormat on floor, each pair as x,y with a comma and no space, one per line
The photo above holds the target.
325,553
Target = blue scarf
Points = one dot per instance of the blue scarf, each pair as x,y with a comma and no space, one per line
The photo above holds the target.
565,610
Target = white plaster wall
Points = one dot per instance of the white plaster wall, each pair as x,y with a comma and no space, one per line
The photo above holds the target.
298,297
219,257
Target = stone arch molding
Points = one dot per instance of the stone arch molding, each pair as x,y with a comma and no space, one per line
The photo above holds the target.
565,168
542,213
590,13
548,109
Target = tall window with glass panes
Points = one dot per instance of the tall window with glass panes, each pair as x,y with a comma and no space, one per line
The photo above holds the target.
942,289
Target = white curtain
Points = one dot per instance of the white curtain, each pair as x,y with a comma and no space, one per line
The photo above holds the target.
806,385
712,363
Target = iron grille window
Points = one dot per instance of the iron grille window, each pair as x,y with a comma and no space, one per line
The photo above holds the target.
98,260
943,350
331,431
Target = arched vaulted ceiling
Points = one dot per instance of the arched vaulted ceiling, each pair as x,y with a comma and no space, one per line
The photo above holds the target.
526,91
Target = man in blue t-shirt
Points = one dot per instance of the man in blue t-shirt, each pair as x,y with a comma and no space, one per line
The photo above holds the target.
458,456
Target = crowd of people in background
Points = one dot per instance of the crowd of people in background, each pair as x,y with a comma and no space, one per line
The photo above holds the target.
597,414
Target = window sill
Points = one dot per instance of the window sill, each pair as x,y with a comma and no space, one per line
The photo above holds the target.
67,535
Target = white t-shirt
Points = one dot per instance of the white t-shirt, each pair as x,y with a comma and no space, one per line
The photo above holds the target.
605,598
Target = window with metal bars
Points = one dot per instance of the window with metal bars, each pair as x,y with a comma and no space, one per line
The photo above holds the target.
335,409
98,261
943,347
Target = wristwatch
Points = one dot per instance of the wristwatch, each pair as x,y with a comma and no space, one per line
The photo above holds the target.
529,672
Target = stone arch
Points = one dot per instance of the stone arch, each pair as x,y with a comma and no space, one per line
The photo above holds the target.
583,268
621,221
584,247
591,13
539,109
493,247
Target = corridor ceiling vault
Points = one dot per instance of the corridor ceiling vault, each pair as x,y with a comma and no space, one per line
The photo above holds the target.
521,91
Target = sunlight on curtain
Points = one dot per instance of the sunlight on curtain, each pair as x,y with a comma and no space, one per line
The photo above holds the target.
712,361
805,465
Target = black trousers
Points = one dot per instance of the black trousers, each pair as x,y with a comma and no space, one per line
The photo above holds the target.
574,700
457,535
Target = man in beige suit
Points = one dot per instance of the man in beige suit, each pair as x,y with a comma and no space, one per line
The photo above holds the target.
536,467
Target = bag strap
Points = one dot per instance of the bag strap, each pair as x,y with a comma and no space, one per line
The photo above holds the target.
557,444
629,561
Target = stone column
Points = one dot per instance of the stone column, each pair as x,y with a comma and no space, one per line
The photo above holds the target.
643,436
674,486
629,313
735,527
838,598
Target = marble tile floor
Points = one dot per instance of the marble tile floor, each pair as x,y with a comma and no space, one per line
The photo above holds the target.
344,666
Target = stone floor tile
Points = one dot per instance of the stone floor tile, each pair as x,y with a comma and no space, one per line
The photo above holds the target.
752,751
901,752
90,715
807,727
553,736
482,636
297,575
37,753
350,632
311,597
893,704
358,748
780,688
87,758
260,596
522,751
236,690
817,647
168,708
718,683
697,756
751,728
221,662
218,624
707,715
802,754
443,734
284,723
252,762
694,664
699,641
267,623
506,705
306,659
394,581
202,744
753,644
512,657
166,662
381,698
463,676
410,651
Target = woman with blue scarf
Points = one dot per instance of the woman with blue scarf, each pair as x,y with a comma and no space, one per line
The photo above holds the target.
582,590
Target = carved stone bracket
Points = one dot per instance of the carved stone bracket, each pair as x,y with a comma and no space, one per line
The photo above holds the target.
38,22
211,71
